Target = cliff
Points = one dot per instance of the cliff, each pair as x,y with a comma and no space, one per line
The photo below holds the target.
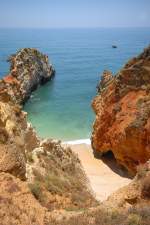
122,109
28,69
36,176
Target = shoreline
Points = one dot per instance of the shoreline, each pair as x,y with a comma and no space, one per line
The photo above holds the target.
78,142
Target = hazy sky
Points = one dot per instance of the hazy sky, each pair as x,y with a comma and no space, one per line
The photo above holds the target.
74,13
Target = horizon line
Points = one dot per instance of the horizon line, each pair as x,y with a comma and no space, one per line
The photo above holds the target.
100,27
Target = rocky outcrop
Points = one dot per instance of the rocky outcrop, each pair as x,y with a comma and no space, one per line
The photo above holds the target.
122,110
29,68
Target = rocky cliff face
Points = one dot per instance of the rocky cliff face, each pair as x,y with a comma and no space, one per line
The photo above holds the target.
29,68
40,175
122,109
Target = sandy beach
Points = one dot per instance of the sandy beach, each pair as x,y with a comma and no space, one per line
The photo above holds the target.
104,175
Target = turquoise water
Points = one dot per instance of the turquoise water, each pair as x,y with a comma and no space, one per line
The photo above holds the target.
62,108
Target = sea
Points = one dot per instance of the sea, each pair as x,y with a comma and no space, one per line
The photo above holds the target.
61,109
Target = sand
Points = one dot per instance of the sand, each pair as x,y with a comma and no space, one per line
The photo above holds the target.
105,177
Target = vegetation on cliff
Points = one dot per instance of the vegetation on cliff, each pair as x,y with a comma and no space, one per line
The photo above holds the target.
130,205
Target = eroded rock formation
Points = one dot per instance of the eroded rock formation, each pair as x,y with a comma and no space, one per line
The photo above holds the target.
122,109
29,68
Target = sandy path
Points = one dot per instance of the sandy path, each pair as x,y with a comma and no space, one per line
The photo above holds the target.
103,180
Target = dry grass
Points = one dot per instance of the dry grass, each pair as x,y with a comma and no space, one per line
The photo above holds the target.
135,216
64,185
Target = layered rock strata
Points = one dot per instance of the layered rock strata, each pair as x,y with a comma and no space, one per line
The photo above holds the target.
122,109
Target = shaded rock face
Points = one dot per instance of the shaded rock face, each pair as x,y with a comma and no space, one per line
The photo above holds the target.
29,68
122,111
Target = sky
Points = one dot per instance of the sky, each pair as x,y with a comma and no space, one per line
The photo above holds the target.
74,13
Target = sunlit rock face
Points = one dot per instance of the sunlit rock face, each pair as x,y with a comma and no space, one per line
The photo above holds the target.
122,109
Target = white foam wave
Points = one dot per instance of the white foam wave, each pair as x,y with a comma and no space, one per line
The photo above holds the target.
80,141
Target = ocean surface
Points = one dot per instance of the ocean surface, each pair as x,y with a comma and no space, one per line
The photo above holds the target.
62,108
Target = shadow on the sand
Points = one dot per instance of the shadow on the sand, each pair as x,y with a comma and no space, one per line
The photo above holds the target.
111,162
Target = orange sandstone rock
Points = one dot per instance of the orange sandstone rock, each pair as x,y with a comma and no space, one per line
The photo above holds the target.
10,79
122,110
